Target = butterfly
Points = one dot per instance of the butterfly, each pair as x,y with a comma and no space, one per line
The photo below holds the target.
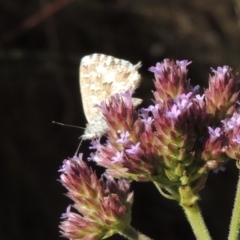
102,76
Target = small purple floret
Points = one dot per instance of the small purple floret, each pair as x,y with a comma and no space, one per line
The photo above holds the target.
220,70
174,112
66,214
118,157
158,70
215,133
123,138
233,122
237,139
134,149
184,102
183,65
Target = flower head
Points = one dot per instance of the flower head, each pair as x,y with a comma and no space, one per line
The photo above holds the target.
222,94
170,79
214,152
102,207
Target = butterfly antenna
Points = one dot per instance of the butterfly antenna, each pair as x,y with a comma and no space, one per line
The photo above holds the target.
79,145
67,125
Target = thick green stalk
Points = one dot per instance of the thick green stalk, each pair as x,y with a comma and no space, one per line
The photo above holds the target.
197,223
132,234
188,201
235,221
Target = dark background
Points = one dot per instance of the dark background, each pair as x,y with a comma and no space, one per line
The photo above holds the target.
41,44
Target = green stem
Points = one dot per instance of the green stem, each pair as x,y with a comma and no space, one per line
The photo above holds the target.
188,201
195,219
235,221
132,234
171,195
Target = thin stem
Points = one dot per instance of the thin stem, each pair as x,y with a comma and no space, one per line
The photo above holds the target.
170,196
132,234
196,221
235,221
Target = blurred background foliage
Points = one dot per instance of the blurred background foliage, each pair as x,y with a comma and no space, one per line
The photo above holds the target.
41,44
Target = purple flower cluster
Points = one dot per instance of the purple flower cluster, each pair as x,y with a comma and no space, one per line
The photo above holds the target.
168,142
174,143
